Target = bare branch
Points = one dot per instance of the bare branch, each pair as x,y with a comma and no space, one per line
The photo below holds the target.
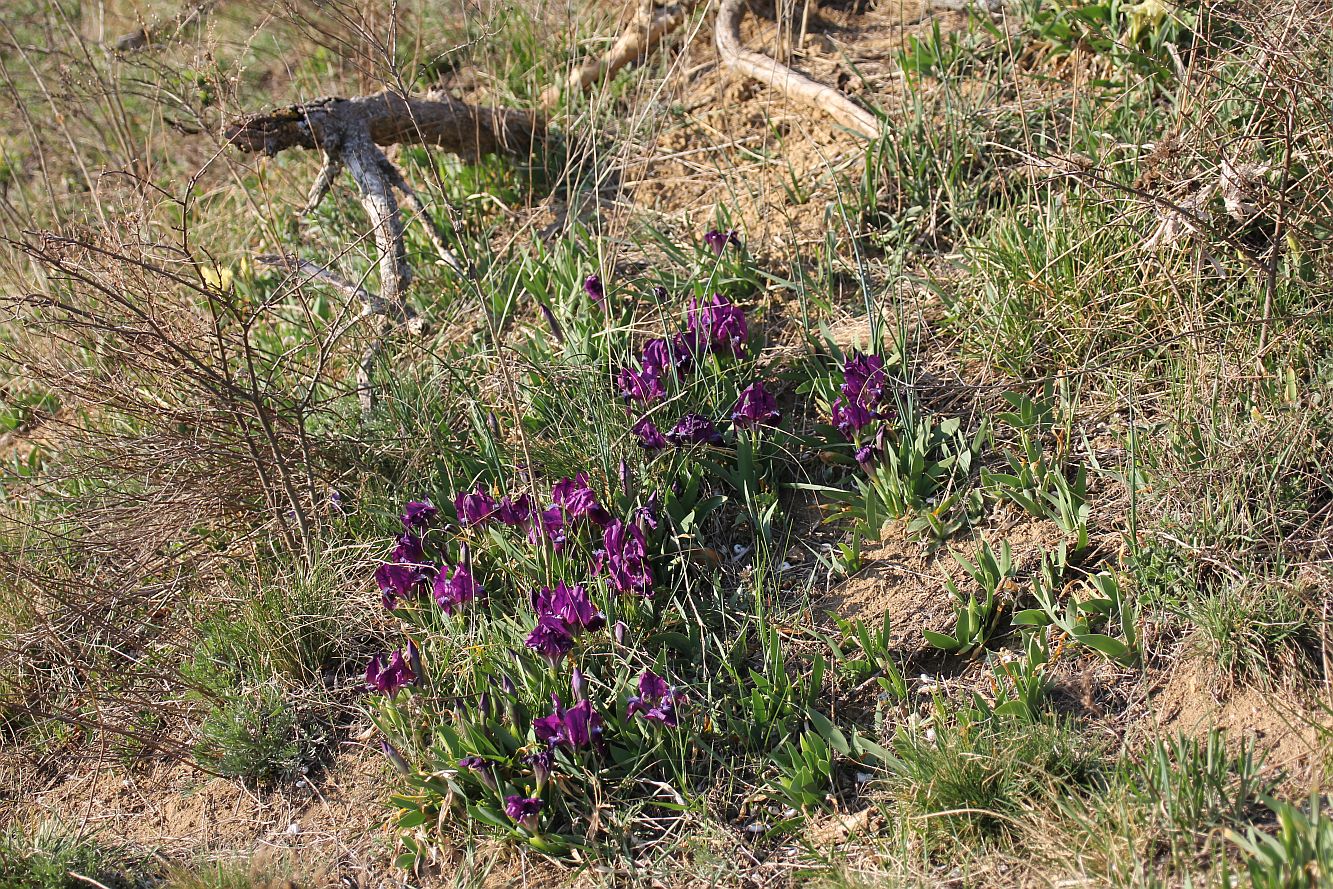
323,182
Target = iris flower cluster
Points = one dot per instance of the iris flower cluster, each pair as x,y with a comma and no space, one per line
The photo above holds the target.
402,669
409,571
656,700
715,327
718,241
862,401
563,612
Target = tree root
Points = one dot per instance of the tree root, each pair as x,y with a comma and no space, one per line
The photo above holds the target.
641,38
727,35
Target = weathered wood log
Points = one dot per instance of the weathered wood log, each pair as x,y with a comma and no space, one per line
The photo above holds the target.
389,118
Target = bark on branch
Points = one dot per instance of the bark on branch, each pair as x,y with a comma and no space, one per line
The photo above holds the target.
389,118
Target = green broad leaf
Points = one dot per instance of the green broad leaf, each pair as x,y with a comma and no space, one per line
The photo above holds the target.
939,640
549,843
412,819
489,816
867,747
1031,617
1111,647
406,861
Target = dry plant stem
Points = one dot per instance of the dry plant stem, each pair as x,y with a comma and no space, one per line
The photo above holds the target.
156,31
642,37
727,34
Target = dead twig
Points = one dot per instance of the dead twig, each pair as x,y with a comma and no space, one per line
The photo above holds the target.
162,29
349,133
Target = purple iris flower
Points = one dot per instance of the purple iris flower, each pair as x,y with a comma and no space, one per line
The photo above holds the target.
570,605
650,437
656,700
583,726
479,767
659,355
576,728
418,514
454,587
756,406
388,679
550,730
694,429
866,456
717,241
409,549
719,324
524,811
646,516
577,498
541,763
579,684
850,418
398,581
391,753
475,508
640,385
592,285
550,638
863,379
625,559
550,524
514,511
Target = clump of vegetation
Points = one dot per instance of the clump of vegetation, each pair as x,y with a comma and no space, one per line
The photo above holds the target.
911,519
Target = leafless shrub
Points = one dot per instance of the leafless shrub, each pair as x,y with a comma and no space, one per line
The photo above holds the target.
199,420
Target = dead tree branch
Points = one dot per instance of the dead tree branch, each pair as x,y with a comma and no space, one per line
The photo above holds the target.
727,35
389,118
349,133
